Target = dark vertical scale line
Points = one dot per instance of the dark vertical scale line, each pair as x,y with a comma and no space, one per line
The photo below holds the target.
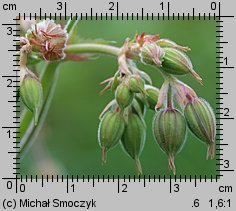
65,10
16,184
117,10
118,184
170,183
168,10
40,13
42,181
67,184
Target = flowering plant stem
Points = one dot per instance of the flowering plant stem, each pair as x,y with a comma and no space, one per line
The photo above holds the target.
48,77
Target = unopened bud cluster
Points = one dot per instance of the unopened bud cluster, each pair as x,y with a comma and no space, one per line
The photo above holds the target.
177,106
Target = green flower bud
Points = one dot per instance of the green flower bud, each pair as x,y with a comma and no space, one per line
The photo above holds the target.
136,84
201,121
151,54
152,96
31,93
133,139
110,131
177,63
123,95
169,129
168,43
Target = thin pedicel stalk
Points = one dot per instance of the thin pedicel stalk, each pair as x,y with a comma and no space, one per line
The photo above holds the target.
169,102
48,78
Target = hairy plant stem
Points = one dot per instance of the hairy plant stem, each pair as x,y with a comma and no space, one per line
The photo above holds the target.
98,49
92,48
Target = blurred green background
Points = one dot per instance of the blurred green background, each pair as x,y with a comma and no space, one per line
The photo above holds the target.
67,143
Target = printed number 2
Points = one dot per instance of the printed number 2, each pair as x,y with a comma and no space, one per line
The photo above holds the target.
112,5
124,187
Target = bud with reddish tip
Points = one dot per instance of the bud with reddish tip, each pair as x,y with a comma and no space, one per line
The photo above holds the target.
151,54
201,121
169,129
123,95
133,139
110,131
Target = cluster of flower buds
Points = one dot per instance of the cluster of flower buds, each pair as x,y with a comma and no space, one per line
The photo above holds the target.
134,93
165,54
122,120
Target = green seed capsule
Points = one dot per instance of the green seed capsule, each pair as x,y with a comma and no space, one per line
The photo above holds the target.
201,121
177,63
133,139
31,94
169,129
110,131
152,96
123,95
